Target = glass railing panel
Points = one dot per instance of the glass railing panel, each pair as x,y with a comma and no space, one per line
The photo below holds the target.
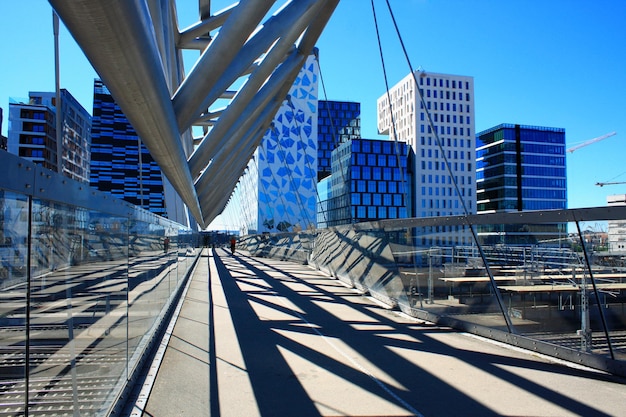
548,289
443,273
147,266
14,219
522,258
78,307
541,275
602,290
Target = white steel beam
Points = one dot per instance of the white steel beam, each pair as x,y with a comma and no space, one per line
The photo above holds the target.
135,46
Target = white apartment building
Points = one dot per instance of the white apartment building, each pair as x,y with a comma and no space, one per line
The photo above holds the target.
445,151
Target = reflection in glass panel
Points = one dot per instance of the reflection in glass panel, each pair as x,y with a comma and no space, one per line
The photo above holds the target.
14,217
78,303
443,273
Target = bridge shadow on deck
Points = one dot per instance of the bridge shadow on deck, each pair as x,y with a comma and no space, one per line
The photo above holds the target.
298,346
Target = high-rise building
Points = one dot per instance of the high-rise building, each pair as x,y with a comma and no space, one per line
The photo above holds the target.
33,133
278,190
367,183
521,168
120,163
439,128
337,122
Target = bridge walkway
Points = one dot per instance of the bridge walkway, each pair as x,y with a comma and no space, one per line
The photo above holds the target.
275,338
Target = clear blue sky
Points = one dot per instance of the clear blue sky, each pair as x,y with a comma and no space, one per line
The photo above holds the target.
557,63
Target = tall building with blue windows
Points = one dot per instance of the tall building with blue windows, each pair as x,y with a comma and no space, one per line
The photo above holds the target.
368,182
337,122
277,192
120,163
520,168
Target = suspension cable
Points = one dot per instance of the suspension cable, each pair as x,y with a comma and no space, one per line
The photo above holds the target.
335,142
500,301
428,116
393,122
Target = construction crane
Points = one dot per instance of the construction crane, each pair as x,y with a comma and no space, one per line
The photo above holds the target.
602,184
590,141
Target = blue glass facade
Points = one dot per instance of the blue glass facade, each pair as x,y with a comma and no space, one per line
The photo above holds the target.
338,122
368,182
521,168
277,192
117,166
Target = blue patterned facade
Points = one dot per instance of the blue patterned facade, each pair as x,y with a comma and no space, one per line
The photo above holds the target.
278,191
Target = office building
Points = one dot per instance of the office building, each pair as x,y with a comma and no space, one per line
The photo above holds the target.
445,150
368,183
521,168
33,133
437,122
278,190
120,163
337,122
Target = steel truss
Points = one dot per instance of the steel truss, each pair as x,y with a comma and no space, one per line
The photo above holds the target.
244,72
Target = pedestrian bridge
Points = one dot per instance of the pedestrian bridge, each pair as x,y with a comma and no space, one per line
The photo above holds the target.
258,336
384,318
98,316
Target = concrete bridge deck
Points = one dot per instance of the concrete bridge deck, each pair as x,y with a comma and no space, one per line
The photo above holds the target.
274,338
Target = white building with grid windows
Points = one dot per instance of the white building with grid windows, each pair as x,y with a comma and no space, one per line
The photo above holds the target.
440,129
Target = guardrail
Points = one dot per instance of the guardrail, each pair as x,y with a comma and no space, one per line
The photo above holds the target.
550,281
86,282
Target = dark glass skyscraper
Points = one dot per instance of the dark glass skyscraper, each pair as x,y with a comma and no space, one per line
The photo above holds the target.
521,168
338,122
120,163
